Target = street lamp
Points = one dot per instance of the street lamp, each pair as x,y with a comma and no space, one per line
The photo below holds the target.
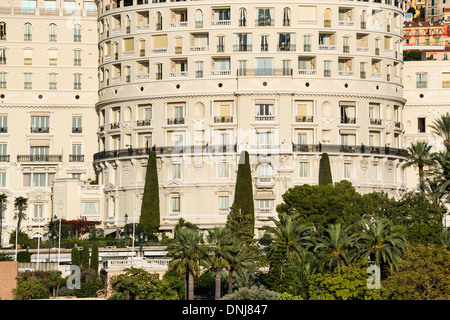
125,227
49,244
141,237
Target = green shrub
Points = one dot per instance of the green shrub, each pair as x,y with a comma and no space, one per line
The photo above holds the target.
24,256
253,293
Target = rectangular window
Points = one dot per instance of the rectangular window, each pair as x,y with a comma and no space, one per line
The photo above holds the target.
3,124
76,124
347,170
224,170
77,57
224,203
375,172
40,124
421,80
52,81
27,81
37,212
303,169
3,179
175,204
176,171
2,56
421,124
89,208
77,81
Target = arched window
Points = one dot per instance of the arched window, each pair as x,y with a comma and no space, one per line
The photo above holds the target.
242,17
128,24
264,170
77,32
2,30
27,31
158,21
198,18
286,17
52,32
327,18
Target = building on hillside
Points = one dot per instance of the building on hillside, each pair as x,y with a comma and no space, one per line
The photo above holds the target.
48,91
201,81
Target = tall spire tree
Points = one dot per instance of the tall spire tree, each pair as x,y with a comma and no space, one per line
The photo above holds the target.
325,177
241,220
150,214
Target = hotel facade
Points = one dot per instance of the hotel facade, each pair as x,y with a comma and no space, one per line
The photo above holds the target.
201,81
48,91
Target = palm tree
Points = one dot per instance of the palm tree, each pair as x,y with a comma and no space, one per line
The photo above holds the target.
289,232
441,168
20,203
219,240
335,247
419,155
381,242
3,198
188,254
441,127
243,259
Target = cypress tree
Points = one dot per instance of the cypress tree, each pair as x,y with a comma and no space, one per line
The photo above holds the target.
150,215
94,257
85,257
325,177
241,220
75,256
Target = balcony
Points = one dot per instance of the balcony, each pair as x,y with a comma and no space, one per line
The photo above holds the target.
286,47
323,47
221,72
77,130
178,74
199,48
328,148
114,125
307,22
375,122
346,23
40,130
178,24
345,73
348,120
265,182
4,158
3,129
223,119
175,121
265,72
264,118
264,22
307,72
76,158
242,47
39,158
144,123
303,119
220,23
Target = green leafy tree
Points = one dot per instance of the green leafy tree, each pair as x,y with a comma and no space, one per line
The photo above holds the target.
138,284
220,245
419,155
252,293
23,239
335,247
325,176
382,242
441,127
75,257
29,288
150,211
290,233
85,257
347,283
320,206
24,256
423,275
20,203
187,252
94,257
420,217
241,220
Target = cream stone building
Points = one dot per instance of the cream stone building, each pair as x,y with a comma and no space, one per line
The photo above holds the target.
201,81
427,92
48,91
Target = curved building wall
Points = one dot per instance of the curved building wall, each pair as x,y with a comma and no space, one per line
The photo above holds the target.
201,81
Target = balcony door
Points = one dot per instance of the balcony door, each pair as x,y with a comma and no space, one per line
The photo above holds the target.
264,66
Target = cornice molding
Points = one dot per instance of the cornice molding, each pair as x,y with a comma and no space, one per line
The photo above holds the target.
266,93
